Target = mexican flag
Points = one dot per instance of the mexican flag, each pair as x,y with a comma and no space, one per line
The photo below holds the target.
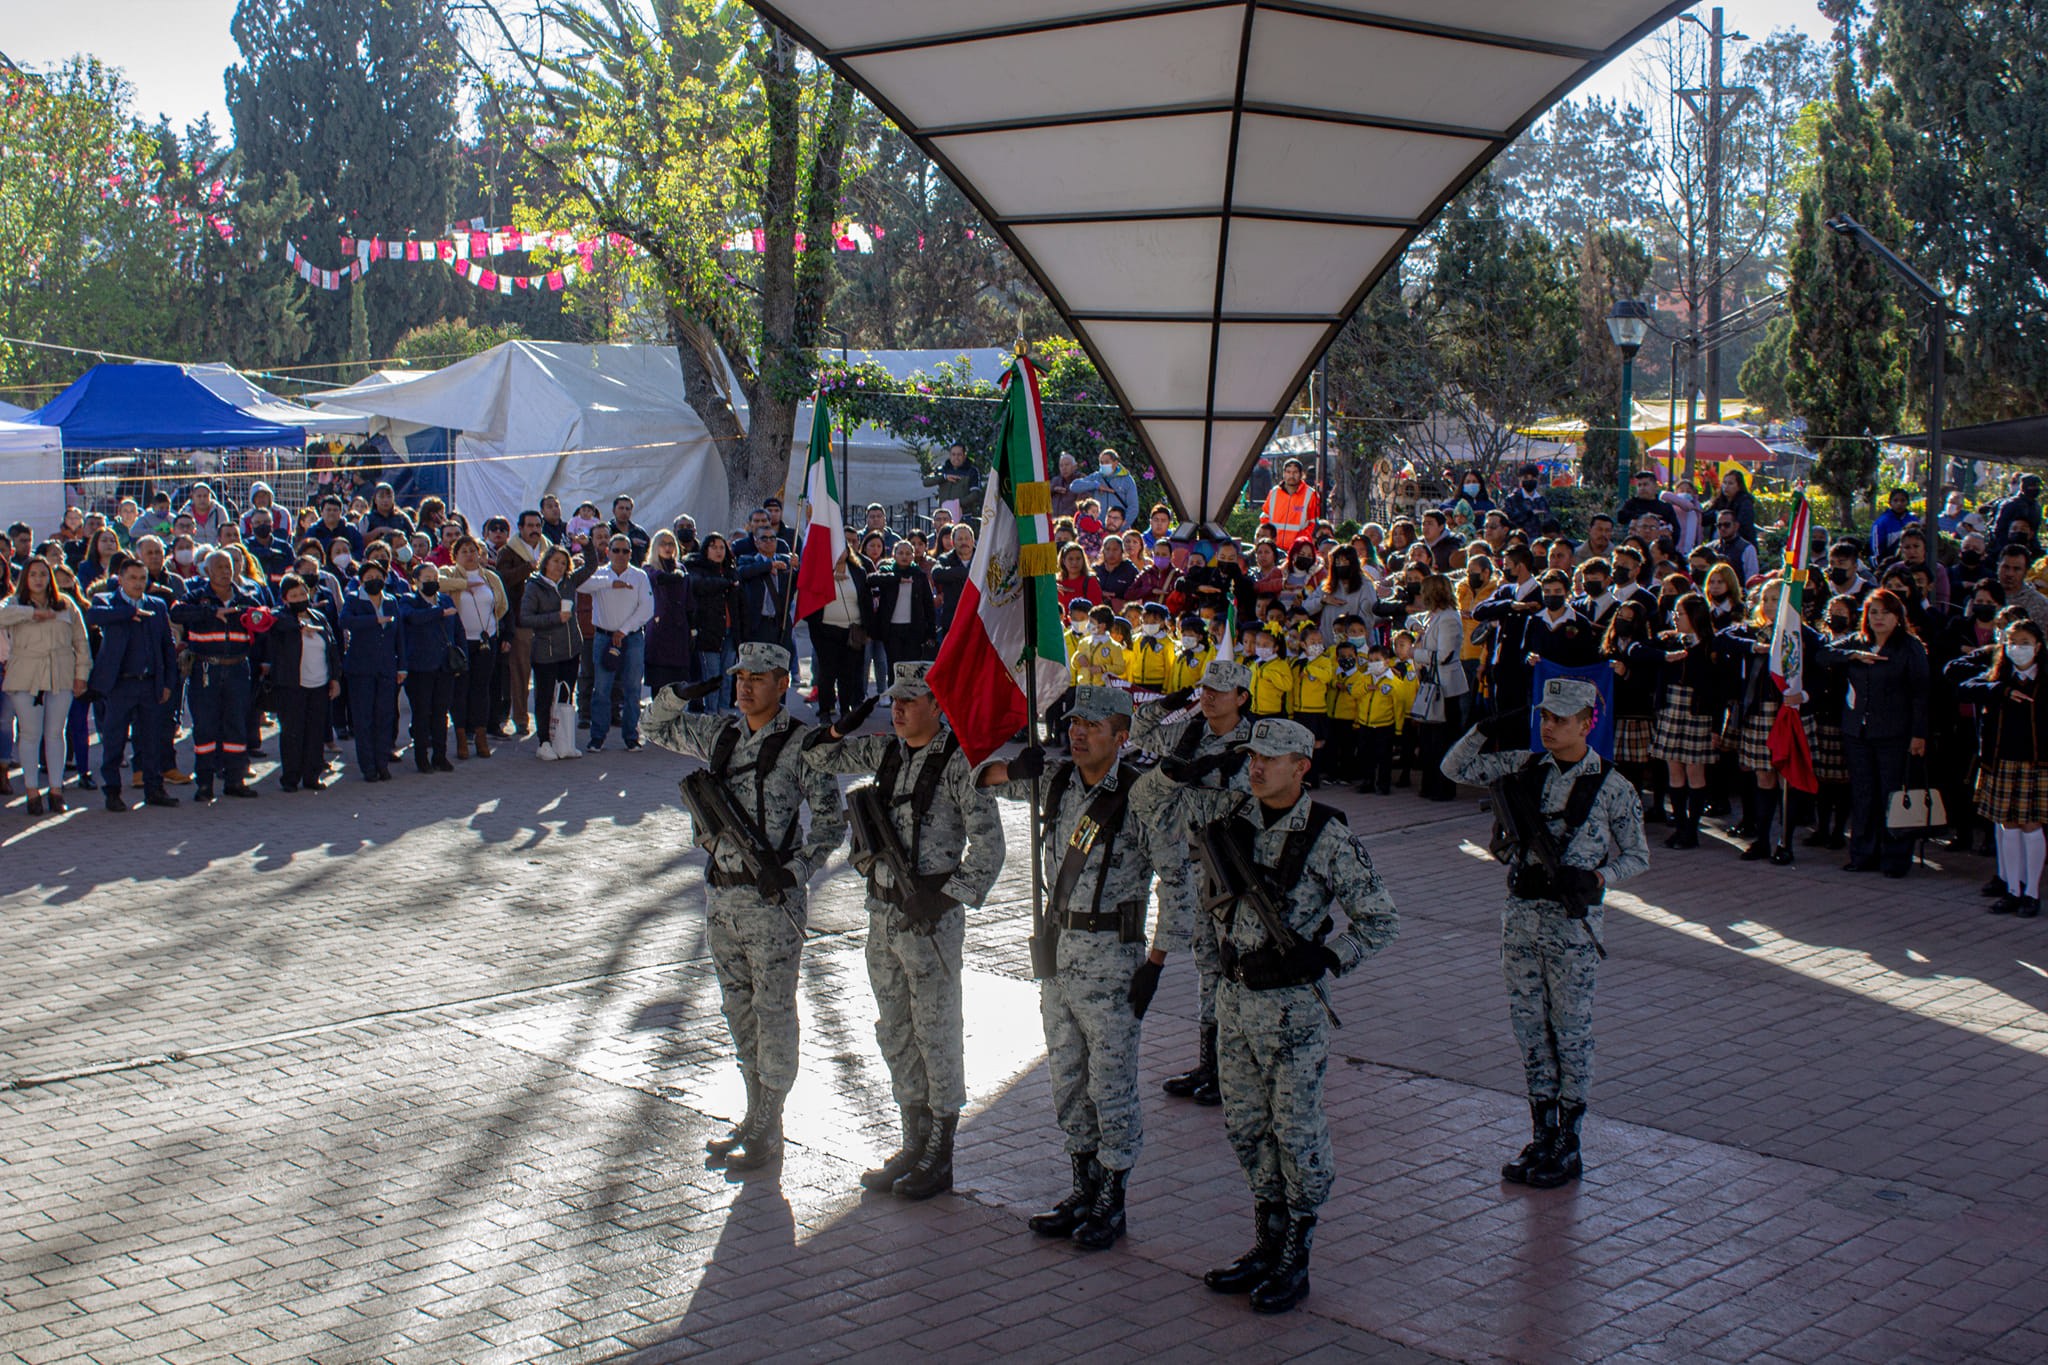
1008,619
825,526
1789,754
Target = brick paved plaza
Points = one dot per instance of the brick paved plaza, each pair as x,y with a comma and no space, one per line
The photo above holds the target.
422,1072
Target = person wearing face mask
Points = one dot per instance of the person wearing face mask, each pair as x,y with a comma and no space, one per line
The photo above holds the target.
1526,506
433,627
1630,582
1884,725
1471,490
1383,699
1112,484
302,665
1596,599
372,662
1315,680
1690,703
2012,765
1636,659
1558,633
1191,653
668,634
1272,681
1509,610
1149,661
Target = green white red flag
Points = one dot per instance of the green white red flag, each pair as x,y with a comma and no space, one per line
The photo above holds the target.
1790,755
1007,623
825,533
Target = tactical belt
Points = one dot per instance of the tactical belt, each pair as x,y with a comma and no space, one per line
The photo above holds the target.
1121,921
1231,961
719,877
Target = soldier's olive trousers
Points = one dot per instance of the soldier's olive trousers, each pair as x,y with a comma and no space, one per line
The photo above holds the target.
757,953
916,980
1272,1050
1549,963
1091,1045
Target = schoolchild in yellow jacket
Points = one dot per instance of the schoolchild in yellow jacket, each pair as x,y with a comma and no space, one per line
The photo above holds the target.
1383,715
1191,657
1315,677
1149,661
1272,677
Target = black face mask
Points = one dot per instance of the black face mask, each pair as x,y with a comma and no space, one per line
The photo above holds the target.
298,608
1624,575
1971,558
1528,485
1984,611
1594,587
1476,580
1553,602
1838,624
373,586
1839,575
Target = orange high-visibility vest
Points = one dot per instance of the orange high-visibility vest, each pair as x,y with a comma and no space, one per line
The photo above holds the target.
1293,515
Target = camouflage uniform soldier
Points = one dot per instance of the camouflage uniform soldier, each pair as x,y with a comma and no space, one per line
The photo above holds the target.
1596,821
953,841
756,942
1204,750
1272,1017
1103,866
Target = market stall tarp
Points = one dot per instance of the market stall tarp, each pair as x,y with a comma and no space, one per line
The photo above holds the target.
230,385
576,421
1206,191
1713,443
2022,440
32,476
156,407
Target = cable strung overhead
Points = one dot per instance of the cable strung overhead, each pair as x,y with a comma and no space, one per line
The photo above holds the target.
1206,189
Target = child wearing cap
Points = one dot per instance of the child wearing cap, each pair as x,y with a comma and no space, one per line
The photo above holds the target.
1149,663
1097,660
1192,656
1315,676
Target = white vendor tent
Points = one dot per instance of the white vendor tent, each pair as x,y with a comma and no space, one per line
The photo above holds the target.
576,421
231,386
32,476
10,413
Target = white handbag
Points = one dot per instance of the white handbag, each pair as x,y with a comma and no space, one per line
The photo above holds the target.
1915,810
562,724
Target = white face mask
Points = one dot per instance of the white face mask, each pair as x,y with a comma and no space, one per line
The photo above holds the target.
183,556
2022,656
1191,641
342,561
1358,640
1312,651
1151,631
1266,653
1099,634
1378,668
1471,490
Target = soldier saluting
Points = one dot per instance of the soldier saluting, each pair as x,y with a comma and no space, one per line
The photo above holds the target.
744,806
1273,861
1591,823
1206,750
930,843
1101,977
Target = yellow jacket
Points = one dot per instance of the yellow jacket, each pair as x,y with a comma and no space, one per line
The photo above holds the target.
1385,701
1346,692
1151,664
1186,669
1272,687
1098,664
1314,680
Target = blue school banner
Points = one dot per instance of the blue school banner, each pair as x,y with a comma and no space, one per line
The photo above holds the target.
1601,675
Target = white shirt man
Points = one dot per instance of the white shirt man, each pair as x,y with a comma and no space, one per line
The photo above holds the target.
621,598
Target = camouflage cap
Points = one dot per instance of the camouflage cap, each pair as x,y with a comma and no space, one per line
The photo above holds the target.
910,682
1099,703
1569,696
1274,738
1226,675
759,656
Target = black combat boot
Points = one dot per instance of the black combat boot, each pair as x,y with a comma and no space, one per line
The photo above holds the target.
1103,1223
1543,1133
1188,1082
1288,1284
1250,1270
916,1123
764,1144
933,1173
1062,1218
721,1147
1561,1164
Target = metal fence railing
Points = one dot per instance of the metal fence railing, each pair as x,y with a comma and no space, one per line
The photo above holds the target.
97,480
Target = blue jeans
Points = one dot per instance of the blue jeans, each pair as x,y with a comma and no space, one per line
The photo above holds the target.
632,662
713,664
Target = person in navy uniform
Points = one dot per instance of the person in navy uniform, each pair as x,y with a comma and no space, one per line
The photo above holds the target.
371,659
217,614
135,670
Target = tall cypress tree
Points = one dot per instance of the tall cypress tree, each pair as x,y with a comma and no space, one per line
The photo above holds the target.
357,97
1846,356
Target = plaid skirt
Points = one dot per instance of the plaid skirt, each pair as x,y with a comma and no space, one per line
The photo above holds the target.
1753,750
1824,740
2012,792
1681,736
1632,739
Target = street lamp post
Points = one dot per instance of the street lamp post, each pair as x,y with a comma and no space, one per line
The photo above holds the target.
1628,324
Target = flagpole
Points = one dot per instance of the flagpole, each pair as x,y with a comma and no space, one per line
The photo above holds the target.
1031,698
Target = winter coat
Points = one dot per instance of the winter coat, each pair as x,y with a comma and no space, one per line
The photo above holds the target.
45,656
540,610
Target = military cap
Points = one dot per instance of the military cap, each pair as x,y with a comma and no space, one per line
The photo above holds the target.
1569,696
1274,737
1099,703
1227,675
759,656
910,682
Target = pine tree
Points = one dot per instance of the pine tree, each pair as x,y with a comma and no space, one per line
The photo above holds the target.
1846,355
358,334
1612,265
357,97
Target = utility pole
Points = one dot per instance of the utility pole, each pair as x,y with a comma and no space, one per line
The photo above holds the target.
1722,105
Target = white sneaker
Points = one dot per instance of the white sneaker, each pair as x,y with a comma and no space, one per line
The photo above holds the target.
546,753
570,753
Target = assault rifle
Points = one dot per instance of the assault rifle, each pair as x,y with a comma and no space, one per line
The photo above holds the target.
1235,876
1519,827
875,840
718,817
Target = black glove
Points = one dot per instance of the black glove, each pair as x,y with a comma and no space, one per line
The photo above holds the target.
1269,969
1174,701
1311,961
1144,983
855,717
1189,770
1029,764
1507,730
695,691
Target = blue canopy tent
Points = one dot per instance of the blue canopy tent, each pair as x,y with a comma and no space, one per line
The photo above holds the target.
154,407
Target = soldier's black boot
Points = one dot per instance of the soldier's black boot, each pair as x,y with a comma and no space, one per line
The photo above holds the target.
721,1147
933,1173
764,1143
1062,1218
1543,1132
1250,1270
917,1122
1560,1165
1103,1223
1188,1082
1288,1284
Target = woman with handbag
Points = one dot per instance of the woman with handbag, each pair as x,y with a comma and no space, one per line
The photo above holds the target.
2012,781
48,661
547,607
1884,725
1440,683
434,645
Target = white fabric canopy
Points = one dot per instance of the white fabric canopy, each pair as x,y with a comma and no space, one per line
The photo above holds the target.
10,413
1207,189
32,476
230,385
580,422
